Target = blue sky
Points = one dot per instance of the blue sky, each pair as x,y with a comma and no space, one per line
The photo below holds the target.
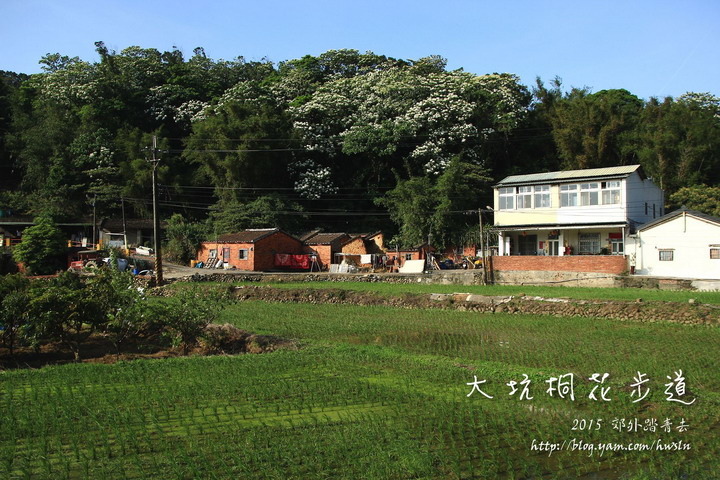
651,48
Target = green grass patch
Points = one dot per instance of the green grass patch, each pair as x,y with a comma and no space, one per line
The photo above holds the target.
375,392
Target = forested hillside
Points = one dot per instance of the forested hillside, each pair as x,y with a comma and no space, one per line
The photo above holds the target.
344,141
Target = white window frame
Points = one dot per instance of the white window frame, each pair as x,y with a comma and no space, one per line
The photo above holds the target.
524,197
542,196
588,243
666,254
213,253
569,195
243,254
506,198
611,192
589,194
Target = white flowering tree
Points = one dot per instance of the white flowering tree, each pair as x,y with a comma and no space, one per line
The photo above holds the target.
403,127
420,119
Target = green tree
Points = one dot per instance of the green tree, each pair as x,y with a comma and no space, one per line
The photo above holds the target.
595,129
425,209
65,311
187,313
679,141
702,198
183,239
13,308
125,311
42,249
267,211
411,205
462,188
241,145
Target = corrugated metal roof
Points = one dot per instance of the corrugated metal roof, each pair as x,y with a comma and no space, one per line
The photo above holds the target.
568,175
558,226
677,213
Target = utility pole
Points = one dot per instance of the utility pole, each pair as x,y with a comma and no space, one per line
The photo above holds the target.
125,244
156,219
94,243
482,248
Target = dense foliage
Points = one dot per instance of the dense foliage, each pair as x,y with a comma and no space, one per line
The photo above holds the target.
69,309
299,144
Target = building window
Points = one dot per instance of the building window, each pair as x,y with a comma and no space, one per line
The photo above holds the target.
507,198
213,253
715,253
617,246
408,256
568,195
524,197
589,193
542,196
243,254
666,255
589,243
610,193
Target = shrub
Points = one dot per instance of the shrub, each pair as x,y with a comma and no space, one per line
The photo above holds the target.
42,249
188,313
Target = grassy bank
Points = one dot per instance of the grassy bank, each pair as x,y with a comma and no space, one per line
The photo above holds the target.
579,293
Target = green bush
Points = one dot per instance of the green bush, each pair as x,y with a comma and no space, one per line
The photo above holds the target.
43,248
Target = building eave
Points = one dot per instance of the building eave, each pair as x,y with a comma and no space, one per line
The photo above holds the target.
558,226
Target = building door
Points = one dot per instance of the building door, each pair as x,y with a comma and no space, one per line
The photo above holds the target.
226,254
527,244
554,247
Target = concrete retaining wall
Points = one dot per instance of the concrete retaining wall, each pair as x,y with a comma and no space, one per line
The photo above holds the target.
542,277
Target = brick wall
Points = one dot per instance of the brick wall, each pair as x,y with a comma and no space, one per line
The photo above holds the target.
260,255
266,248
355,247
324,253
233,258
614,264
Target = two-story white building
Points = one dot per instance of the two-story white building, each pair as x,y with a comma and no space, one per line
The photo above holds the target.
573,212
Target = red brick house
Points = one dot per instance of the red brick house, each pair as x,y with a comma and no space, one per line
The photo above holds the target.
325,246
397,258
363,248
254,250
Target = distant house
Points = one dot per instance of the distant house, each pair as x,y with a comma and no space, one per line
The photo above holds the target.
138,231
683,243
397,258
363,249
76,231
575,212
255,250
325,246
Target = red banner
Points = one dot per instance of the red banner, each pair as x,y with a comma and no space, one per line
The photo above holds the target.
299,262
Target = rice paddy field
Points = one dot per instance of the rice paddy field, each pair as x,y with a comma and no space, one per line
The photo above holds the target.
383,393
